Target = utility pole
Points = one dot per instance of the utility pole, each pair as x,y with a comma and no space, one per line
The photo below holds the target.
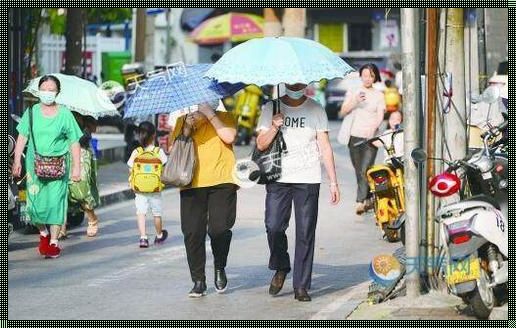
432,29
272,25
167,55
455,120
139,38
294,22
482,48
411,135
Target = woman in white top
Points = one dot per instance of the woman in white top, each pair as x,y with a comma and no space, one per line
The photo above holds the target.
368,108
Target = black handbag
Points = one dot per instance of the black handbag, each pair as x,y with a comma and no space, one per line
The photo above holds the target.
269,160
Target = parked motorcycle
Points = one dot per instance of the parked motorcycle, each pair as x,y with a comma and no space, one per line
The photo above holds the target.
247,111
387,186
473,230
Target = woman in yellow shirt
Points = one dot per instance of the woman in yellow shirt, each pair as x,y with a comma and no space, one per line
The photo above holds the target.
210,201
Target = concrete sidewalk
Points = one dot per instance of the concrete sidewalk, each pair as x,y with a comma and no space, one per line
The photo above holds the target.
435,305
113,183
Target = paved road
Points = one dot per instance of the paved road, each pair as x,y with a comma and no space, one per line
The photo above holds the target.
111,278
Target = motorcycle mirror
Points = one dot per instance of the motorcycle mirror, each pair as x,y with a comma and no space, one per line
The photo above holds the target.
419,155
491,95
476,98
16,118
12,144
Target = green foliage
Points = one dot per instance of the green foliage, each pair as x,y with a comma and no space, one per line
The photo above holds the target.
57,22
94,15
108,15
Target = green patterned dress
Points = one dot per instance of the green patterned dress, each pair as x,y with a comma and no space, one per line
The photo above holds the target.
47,201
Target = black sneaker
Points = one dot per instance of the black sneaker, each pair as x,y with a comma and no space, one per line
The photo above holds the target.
221,281
164,235
198,290
144,243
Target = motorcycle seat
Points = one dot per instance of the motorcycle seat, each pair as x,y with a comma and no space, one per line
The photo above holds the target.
487,199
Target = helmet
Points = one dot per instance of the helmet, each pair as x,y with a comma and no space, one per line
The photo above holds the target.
115,91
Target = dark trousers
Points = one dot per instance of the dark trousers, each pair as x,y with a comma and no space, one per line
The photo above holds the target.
362,158
212,210
277,216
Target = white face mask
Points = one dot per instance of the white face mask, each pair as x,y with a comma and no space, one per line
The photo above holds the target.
295,94
47,97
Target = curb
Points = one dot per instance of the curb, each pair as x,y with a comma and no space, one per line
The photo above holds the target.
121,196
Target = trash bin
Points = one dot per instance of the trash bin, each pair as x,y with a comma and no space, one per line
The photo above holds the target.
112,63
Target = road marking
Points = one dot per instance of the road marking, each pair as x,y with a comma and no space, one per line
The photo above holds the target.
338,303
164,256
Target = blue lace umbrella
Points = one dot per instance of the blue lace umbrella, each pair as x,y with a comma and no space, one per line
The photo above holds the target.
271,61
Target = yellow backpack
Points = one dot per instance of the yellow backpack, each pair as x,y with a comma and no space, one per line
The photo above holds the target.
146,171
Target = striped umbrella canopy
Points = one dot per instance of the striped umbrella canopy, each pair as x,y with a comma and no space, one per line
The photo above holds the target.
234,27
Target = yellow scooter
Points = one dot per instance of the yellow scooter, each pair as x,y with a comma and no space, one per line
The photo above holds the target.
247,111
387,186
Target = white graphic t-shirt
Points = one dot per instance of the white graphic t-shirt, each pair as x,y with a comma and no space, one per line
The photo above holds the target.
302,162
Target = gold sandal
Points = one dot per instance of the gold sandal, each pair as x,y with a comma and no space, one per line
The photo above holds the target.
92,229
62,235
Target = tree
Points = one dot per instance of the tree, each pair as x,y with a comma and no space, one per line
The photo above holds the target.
75,20
108,15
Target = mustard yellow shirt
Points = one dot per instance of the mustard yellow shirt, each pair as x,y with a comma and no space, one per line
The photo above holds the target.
215,159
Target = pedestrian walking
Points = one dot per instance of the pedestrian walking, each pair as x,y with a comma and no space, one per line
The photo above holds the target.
304,125
53,135
146,164
364,108
208,204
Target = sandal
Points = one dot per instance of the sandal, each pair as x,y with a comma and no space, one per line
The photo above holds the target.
62,235
92,229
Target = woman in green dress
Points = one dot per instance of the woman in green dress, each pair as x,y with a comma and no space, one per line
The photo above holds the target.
56,133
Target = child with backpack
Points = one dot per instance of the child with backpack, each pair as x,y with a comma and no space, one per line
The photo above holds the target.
146,164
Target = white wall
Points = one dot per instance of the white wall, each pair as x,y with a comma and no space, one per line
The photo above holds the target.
184,50
51,49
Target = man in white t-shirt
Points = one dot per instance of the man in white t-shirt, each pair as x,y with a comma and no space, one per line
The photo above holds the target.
304,125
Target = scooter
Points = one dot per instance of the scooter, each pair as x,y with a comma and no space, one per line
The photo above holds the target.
247,111
473,231
387,186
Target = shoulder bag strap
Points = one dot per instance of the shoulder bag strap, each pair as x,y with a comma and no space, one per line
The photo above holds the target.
31,127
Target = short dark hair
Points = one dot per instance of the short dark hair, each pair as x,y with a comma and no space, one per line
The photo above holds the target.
52,78
146,132
373,68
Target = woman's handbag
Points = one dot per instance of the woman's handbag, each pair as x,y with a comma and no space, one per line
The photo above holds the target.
180,166
46,167
269,160
345,129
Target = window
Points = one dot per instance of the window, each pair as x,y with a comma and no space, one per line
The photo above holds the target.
360,37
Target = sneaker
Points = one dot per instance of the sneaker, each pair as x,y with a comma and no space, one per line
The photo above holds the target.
44,242
144,243
53,251
164,236
198,290
360,208
221,281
